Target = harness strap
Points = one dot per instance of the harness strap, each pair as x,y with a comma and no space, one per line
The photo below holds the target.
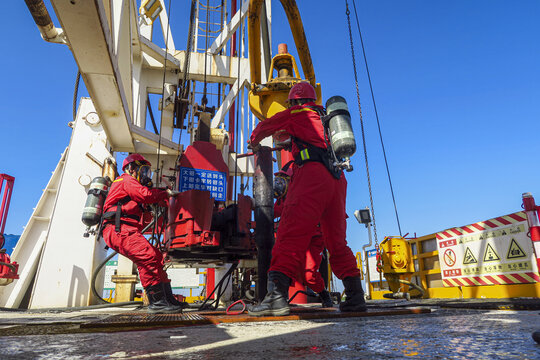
309,152
117,214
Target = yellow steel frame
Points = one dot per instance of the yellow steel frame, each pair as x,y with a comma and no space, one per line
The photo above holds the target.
464,292
266,103
297,29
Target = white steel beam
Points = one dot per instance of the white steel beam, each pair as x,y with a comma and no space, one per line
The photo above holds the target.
66,253
229,29
86,25
230,99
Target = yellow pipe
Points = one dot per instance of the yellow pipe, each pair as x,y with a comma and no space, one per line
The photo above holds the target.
297,29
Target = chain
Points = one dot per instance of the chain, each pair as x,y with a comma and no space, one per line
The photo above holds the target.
362,125
75,94
377,118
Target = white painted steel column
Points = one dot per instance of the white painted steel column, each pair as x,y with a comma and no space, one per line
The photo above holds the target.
68,259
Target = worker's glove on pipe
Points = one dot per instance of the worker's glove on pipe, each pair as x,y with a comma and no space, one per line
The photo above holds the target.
172,193
255,148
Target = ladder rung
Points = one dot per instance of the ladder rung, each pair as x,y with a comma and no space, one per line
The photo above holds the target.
41,218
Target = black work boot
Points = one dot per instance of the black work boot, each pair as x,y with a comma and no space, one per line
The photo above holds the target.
158,300
326,299
170,297
354,301
275,303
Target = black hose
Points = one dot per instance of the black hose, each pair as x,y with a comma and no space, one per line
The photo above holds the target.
9,265
95,274
296,293
218,286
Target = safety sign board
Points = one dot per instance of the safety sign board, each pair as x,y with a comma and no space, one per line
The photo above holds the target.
496,251
449,257
208,180
374,275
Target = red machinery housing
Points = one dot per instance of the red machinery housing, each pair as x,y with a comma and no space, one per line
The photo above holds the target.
200,227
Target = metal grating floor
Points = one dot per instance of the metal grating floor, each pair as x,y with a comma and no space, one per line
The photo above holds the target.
136,320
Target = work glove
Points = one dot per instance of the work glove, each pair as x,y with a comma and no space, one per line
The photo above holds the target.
255,148
172,193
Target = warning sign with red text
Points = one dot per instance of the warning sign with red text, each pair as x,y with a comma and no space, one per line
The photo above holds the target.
493,252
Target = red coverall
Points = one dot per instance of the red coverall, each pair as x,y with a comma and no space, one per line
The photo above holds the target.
314,197
129,241
311,277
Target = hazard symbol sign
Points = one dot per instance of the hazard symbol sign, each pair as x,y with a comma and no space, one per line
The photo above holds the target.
515,251
449,257
490,250
469,258
490,254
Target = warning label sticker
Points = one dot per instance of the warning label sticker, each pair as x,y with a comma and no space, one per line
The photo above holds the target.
490,254
515,251
498,246
450,257
469,257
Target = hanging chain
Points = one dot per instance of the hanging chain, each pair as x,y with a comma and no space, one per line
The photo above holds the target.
377,118
362,125
76,94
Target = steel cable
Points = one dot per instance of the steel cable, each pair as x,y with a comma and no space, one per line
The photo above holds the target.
376,116
361,124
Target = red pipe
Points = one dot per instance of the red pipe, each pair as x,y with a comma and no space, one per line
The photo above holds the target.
534,223
6,199
210,281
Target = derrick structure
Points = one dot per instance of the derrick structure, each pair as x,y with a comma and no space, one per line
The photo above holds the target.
123,70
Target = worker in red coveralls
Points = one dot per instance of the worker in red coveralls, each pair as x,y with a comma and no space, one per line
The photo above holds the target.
123,211
311,275
317,195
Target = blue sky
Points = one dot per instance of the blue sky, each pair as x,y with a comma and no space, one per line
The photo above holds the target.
457,86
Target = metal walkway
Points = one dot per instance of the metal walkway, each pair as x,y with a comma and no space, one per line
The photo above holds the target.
442,333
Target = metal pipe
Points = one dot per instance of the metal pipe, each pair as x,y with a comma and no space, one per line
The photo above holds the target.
264,215
42,19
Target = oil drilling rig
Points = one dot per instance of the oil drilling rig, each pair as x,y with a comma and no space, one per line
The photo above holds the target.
187,112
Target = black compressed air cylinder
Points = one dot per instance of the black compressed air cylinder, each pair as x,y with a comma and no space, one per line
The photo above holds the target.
340,128
93,208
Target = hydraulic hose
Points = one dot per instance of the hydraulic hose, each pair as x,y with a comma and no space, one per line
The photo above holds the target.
414,286
94,277
219,286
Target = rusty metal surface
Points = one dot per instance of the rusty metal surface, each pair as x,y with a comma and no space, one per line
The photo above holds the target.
141,319
137,319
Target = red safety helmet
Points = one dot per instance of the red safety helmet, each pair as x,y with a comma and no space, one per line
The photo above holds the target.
137,158
302,90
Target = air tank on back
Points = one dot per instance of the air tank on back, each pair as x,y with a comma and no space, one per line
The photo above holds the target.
340,129
93,208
